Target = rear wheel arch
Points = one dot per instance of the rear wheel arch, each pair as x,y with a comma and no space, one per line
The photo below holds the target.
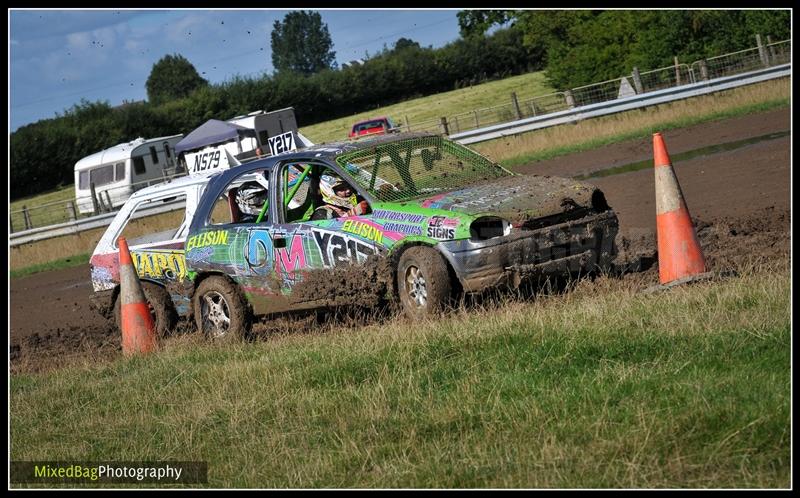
165,317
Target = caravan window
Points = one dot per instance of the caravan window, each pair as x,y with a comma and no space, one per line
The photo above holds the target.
138,165
102,175
83,182
154,155
119,173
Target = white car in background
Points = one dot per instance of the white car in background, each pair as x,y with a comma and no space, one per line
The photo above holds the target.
154,222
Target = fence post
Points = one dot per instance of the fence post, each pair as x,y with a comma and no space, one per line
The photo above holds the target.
72,212
108,198
408,124
455,124
771,51
677,72
570,99
762,52
445,128
95,206
27,217
703,70
10,223
637,80
516,105
476,119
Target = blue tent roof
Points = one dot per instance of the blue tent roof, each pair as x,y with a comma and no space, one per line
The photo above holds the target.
211,132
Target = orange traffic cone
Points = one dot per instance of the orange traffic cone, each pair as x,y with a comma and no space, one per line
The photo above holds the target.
680,258
138,329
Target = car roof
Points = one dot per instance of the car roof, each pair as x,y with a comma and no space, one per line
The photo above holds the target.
174,184
379,118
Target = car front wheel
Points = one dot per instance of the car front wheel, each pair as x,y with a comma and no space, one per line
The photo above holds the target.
422,282
220,310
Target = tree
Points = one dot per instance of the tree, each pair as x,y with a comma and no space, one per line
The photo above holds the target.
173,77
301,43
405,43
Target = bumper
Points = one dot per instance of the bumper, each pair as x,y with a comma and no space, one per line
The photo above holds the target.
577,246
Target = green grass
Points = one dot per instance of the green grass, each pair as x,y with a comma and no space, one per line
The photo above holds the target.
435,106
603,387
58,264
64,193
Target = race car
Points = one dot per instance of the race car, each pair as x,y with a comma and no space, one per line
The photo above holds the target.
423,219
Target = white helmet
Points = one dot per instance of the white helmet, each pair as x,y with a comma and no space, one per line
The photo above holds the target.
251,197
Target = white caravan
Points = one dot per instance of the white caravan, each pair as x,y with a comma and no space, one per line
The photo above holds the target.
119,171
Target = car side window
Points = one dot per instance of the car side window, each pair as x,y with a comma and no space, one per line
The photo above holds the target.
339,197
244,200
154,220
299,184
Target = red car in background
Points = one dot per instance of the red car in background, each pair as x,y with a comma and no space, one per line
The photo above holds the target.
374,126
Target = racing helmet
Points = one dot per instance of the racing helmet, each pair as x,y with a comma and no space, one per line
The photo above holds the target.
251,197
328,186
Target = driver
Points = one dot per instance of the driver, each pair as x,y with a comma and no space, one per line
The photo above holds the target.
340,200
250,199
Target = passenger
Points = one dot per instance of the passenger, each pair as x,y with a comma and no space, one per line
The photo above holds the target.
250,199
340,201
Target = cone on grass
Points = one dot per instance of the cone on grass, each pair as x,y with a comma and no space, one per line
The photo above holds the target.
680,257
138,329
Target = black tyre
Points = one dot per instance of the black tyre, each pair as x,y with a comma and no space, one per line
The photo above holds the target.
423,282
220,310
161,309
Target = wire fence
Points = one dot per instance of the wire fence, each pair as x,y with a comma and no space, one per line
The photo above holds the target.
675,75
764,55
61,211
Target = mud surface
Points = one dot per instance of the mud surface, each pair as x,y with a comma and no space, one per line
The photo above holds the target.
739,199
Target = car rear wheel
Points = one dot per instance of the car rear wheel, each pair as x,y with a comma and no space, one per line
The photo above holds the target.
423,282
220,310
160,305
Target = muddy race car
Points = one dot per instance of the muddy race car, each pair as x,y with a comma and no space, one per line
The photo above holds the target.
429,218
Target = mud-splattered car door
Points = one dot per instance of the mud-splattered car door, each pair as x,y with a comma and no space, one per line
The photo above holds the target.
321,243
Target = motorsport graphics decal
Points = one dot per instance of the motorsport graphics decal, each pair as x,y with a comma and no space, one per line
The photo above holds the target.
160,264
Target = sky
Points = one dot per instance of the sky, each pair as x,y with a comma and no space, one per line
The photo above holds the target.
59,57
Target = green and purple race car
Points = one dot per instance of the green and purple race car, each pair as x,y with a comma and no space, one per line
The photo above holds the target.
425,219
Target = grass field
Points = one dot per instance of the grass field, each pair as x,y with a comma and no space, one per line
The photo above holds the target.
66,193
433,107
601,387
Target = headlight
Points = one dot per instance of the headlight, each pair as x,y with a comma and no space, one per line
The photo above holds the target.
489,227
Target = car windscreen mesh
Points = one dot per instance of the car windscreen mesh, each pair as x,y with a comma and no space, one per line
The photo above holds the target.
417,167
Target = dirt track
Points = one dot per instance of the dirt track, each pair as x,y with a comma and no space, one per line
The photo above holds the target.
739,199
